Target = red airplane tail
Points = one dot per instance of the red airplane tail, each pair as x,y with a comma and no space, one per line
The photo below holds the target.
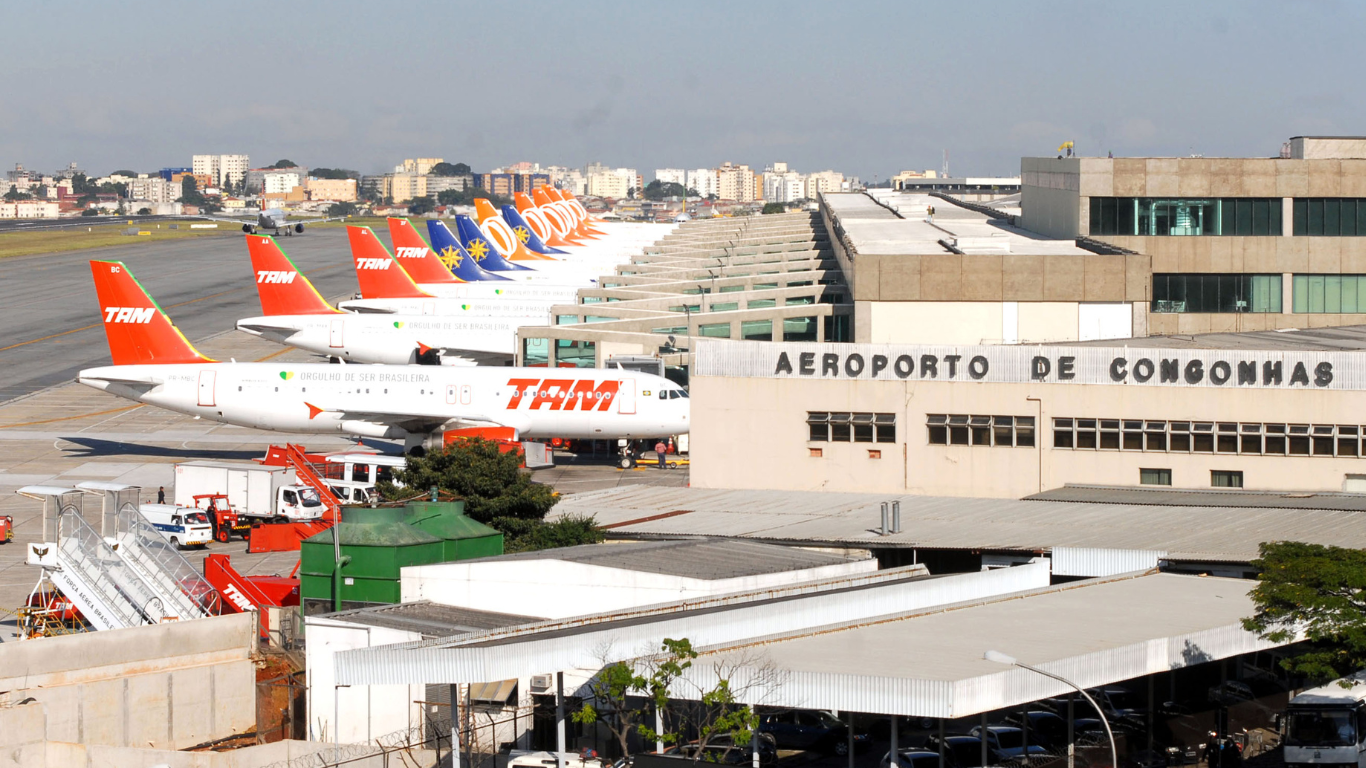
139,331
283,288
380,276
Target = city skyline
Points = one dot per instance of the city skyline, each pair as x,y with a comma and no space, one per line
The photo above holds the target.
875,90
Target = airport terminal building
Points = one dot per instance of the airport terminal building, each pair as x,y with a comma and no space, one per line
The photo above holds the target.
1266,411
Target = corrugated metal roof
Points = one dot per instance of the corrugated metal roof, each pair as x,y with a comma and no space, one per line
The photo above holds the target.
1186,533
698,558
1105,494
431,619
1344,338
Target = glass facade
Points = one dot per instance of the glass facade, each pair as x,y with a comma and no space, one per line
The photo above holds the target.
714,330
1170,216
535,352
756,330
799,329
1329,217
578,354
1331,294
1216,293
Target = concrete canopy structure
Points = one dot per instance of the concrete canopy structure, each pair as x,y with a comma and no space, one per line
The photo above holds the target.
897,647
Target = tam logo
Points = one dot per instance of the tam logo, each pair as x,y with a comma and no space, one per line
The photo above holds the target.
268,276
410,253
238,599
129,314
372,263
562,394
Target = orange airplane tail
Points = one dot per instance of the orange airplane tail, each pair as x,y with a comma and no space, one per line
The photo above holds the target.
380,276
282,287
139,331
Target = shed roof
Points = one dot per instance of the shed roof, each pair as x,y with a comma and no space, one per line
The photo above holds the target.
692,557
430,619
1185,532
1193,497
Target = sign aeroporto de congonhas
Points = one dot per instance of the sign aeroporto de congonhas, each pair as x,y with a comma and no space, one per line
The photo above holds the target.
1133,366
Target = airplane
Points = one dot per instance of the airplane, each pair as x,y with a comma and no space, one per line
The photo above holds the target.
539,222
272,218
296,315
154,363
385,286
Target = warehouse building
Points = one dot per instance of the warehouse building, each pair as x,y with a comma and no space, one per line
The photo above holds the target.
1266,411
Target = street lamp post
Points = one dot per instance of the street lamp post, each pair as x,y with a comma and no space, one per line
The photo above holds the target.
1001,658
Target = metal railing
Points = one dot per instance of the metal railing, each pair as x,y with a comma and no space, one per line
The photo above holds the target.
84,555
183,589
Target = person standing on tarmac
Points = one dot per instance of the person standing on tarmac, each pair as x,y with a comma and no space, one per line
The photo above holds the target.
161,495
662,451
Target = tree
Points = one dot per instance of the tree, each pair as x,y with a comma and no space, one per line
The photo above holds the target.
1316,590
284,164
447,169
658,190
342,209
129,174
613,687
14,194
774,208
333,173
420,205
90,212
144,211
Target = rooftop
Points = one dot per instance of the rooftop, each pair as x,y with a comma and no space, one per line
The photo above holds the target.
1192,532
1167,497
698,558
876,230
430,619
1345,338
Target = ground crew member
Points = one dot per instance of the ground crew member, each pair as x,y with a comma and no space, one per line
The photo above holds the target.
662,451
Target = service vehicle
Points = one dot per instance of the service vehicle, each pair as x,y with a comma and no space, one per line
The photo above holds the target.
1327,725
181,526
253,491
349,492
224,519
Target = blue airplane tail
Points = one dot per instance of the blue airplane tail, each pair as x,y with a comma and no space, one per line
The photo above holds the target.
481,249
525,233
454,256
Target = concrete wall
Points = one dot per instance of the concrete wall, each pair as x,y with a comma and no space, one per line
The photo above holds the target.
987,322
1327,147
728,412
1050,195
170,685
1010,277
555,589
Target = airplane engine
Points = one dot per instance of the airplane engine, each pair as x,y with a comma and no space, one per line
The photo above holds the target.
299,228
249,229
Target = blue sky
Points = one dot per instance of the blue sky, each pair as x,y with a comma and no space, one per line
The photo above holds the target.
868,88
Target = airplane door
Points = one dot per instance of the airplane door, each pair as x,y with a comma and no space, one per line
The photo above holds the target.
334,337
626,397
465,393
429,307
206,387
450,394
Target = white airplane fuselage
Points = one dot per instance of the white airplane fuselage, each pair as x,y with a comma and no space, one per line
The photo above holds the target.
407,401
394,339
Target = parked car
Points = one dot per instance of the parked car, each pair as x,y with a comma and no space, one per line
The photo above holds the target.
1008,742
809,730
962,751
912,758
1047,729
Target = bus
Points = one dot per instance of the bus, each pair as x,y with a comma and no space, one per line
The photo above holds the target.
1326,725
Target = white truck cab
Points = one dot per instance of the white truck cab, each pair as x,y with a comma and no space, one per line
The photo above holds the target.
1327,725
350,492
181,526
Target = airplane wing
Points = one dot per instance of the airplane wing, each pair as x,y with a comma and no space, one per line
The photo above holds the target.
422,422
468,356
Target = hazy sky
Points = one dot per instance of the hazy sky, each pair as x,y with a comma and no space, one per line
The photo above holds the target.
862,87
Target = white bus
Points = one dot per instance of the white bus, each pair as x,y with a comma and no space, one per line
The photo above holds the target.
367,468
181,526
1327,725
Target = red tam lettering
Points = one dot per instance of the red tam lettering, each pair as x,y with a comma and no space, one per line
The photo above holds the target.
586,398
519,388
551,393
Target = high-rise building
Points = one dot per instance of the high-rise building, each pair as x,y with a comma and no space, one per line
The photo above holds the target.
671,176
735,182
420,166
229,168
616,183
824,182
704,181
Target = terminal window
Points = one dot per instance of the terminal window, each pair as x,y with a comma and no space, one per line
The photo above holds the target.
1216,293
1165,216
847,427
1214,437
1154,477
965,429
1219,478
1329,217
1331,294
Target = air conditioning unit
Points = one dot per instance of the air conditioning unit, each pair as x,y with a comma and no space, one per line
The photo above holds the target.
541,683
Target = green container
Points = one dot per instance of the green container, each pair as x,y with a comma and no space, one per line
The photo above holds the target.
380,542
462,538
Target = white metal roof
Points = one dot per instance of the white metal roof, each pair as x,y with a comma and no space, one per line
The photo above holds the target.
1185,533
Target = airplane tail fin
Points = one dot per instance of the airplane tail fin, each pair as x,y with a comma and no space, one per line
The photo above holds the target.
454,255
478,246
524,231
379,275
283,288
558,218
502,236
420,261
139,331
538,221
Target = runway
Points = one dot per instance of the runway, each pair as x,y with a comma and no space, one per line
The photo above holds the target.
49,320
